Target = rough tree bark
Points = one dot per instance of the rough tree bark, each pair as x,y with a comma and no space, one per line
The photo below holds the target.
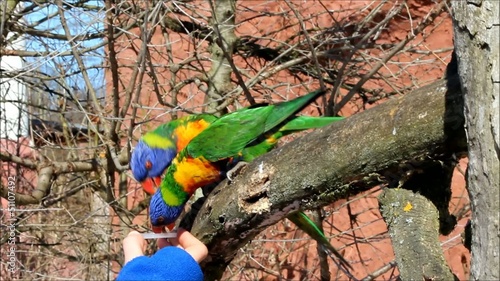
350,156
477,31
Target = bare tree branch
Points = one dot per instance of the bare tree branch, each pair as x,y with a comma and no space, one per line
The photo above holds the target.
327,165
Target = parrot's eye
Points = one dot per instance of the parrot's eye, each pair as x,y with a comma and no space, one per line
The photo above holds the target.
160,220
149,165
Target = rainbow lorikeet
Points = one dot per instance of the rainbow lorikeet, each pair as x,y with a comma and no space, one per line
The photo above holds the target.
241,135
156,149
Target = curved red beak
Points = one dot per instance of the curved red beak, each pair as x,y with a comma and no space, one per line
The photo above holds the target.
150,185
161,229
157,229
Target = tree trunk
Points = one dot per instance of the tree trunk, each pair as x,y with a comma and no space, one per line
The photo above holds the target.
101,242
476,26
221,50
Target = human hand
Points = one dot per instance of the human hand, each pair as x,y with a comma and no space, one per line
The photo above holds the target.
134,245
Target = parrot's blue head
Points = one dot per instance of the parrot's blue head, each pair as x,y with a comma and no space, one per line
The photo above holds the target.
148,164
161,214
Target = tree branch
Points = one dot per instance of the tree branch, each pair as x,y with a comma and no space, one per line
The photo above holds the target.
331,163
413,226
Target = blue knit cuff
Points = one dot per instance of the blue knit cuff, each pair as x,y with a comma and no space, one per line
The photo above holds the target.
169,263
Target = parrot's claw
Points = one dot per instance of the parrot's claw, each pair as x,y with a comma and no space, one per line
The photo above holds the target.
231,174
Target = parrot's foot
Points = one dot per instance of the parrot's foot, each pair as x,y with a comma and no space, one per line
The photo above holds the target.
208,188
231,174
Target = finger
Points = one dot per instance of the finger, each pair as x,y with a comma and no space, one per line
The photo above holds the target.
192,245
175,241
133,246
164,242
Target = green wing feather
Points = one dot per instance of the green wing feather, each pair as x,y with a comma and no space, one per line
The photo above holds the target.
295,124
232,132
284,110
308,226
229,134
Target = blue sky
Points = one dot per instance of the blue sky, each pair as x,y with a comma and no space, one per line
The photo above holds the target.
80,21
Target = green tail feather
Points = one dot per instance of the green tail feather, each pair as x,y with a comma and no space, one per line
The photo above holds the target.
308,226
299,123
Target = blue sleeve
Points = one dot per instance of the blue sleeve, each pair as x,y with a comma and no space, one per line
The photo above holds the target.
169,263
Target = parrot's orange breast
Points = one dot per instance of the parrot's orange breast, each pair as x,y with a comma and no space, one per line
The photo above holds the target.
192,173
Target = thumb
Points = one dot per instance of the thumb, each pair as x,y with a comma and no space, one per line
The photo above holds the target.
133,246
192,245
